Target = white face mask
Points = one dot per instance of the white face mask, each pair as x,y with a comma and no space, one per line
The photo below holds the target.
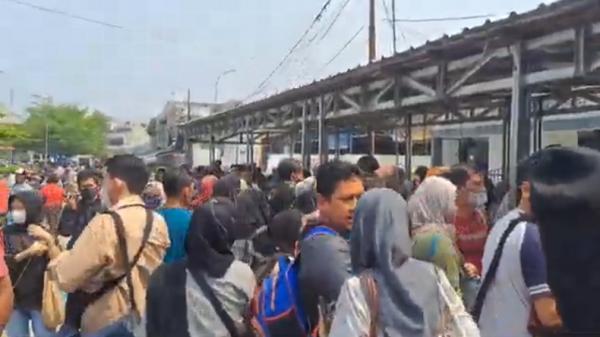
18,216
478,200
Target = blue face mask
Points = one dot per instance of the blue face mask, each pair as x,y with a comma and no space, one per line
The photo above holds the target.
152,201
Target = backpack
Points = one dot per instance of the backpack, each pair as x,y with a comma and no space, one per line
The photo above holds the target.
277,306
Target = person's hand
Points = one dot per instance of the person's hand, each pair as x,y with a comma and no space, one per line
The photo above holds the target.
38,248
72,202
40,233
471,270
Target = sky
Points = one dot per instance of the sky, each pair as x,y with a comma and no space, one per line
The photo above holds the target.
154,50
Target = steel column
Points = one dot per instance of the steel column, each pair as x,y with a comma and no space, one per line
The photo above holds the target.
292,143
505,143
538,126
372,143
408,144
520,123
323,146
396,145
249,147
211,150
304,145
437,151
337,144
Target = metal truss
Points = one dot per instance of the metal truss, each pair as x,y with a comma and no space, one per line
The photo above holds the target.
517,70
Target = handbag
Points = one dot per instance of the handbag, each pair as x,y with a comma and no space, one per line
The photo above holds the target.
53,308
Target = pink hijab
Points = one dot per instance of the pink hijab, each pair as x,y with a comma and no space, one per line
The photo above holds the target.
207,185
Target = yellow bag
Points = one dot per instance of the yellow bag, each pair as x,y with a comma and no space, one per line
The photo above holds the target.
53,306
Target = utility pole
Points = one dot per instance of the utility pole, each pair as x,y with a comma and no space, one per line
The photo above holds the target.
46,138
189,105
372,36
394,25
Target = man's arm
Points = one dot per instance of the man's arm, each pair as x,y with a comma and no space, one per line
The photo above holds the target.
533,266
325,265
91,252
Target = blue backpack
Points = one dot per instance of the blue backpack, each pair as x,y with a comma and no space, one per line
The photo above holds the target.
277,306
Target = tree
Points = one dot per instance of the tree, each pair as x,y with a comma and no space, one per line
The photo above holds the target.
71,130
10,133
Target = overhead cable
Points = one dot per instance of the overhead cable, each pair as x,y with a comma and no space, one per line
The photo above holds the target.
65,14
335,19
316,19
344,47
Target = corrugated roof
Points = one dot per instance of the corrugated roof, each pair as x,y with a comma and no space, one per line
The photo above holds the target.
561,14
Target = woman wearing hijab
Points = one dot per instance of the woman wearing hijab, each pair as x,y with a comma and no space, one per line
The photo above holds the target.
432,209
228,187
413,297
178,304
27,261
206,190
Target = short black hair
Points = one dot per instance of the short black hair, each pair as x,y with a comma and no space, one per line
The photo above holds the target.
285,227
331,173
421,172
286,167
87,174
131,170
53,178
524,168
368,164
459,175
174,181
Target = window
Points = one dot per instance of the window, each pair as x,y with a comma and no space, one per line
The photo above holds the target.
117,141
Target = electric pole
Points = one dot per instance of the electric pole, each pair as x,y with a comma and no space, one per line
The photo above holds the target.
189,105
372,37
394,24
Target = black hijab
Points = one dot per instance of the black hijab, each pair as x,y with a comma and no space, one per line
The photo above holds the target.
210,236
253,212
208,246
227,187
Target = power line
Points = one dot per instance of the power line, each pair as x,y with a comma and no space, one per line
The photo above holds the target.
344,47
335,19
451,18
387,13
316,19
66,14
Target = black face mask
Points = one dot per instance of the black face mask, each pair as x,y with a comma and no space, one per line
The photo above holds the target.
89,194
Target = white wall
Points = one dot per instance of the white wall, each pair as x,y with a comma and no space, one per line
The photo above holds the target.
450,148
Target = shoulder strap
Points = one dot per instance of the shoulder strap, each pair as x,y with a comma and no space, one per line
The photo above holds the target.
491,273
122,241
200,277
319,230
369,287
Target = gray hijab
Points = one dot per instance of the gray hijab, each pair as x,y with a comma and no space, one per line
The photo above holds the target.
408,291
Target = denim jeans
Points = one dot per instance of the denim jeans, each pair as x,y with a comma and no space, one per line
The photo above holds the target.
120,328
18,325
470,288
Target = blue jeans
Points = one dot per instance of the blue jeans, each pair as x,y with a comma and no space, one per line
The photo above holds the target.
18,325
117,329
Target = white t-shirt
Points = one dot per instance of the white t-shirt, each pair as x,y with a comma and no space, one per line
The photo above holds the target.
521,276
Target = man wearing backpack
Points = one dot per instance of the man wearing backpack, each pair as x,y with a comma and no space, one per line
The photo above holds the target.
115,255
325,257
514,269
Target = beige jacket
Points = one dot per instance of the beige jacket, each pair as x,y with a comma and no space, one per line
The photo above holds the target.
95,259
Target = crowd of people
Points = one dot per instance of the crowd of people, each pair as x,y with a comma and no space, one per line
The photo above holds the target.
346,250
